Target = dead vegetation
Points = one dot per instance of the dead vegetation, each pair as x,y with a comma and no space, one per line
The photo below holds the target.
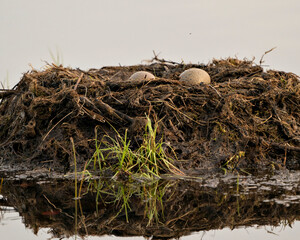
246,119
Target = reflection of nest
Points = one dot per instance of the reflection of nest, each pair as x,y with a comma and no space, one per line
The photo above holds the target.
185,208
244,110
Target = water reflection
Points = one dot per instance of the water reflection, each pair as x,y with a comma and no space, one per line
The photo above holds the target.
161,209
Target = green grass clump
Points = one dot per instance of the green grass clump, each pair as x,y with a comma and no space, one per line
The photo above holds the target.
145,164
148,160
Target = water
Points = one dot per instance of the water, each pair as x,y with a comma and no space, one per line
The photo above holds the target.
13,228
213,207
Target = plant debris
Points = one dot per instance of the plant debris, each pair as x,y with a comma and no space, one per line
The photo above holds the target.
246,119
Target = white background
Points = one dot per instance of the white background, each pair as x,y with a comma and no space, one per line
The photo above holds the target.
96,33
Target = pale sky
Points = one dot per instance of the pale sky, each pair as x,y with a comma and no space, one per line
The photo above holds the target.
95,33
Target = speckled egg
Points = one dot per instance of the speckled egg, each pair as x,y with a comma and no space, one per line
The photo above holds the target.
141,75
195,76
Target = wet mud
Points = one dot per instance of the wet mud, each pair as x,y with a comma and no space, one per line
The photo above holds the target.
246,118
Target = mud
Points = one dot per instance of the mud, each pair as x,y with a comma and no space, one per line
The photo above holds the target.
246,119
178,207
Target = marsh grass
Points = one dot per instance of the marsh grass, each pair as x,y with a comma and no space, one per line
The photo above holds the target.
5,83
149,160
136,172
232,164
57,58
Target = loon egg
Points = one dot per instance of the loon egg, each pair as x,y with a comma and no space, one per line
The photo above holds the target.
195,76
141,75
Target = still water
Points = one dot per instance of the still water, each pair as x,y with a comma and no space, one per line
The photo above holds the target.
218,207
13,228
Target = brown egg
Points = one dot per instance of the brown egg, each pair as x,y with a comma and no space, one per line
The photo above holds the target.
195,76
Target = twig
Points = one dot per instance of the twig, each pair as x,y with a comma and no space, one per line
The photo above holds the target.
78,81
93,115
6,92
202,123
59,209
285,151
143,82
163,60
104,108
261,59
216,91
56,125
114,112
180,217
285,147
52,203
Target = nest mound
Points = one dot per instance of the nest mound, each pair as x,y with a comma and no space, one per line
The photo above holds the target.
246,117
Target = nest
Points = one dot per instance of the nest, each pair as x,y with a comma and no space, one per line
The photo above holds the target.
246,118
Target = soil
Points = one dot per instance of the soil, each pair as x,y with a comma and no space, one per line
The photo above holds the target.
246,119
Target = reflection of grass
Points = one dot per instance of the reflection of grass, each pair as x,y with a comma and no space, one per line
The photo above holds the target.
149,160
122,197
152,196
231,165
238,194
148,195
